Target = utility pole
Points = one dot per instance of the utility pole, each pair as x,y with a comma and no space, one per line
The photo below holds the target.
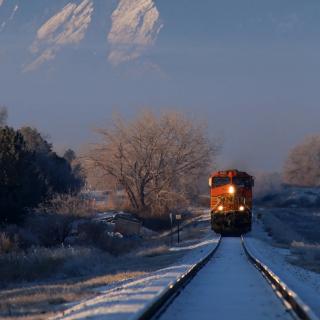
171,235
178,218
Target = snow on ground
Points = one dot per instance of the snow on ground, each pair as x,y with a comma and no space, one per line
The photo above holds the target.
291,197
287,224
304,282
125,301
228,287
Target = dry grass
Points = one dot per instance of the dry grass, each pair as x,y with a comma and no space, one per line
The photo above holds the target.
154,251
46,299
55,263
7,244
41,300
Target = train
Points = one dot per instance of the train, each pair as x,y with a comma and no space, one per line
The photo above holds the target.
231,201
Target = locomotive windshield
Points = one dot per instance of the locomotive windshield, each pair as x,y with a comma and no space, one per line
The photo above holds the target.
242,182
221,181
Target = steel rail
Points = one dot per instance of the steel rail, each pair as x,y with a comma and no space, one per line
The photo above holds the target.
158,306
288,296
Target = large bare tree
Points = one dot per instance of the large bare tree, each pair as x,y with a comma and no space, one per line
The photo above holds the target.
155,159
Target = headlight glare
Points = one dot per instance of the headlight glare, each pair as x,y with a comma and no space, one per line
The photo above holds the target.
231,189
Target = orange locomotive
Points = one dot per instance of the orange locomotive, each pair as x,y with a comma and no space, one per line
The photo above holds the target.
231,201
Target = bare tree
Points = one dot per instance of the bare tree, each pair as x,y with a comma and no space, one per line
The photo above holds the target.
154,159
302,167
3,116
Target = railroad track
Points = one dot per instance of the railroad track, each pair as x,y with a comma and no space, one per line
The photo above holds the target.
176,300
289,298
159,306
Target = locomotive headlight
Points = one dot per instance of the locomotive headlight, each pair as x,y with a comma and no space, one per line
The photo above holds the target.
241,208
220,208
231,190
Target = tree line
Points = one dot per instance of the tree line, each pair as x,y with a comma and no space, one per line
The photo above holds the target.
160,161
31,172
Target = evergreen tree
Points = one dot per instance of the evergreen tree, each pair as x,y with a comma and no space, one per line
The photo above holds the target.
30,173
18,177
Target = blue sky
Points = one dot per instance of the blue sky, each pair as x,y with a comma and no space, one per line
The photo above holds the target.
251,69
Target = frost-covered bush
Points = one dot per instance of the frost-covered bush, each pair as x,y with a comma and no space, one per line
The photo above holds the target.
102,236
66,204
49,229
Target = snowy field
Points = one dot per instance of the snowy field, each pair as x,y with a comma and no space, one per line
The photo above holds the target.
304,282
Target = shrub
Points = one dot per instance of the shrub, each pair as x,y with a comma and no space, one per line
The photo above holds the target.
22,237
49,229
101,236
67,204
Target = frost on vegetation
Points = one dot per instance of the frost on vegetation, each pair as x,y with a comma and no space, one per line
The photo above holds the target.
42,263
290,197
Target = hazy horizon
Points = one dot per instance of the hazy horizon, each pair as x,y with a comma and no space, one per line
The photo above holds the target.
249,69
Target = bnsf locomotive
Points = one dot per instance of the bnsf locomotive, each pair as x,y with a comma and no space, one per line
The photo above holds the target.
231,201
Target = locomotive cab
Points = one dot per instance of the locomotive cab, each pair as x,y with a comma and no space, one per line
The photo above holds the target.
231,201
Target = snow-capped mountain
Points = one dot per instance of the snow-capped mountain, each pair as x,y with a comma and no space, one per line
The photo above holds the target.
127,27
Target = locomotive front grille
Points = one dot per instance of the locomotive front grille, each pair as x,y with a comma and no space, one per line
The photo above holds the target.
227,203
